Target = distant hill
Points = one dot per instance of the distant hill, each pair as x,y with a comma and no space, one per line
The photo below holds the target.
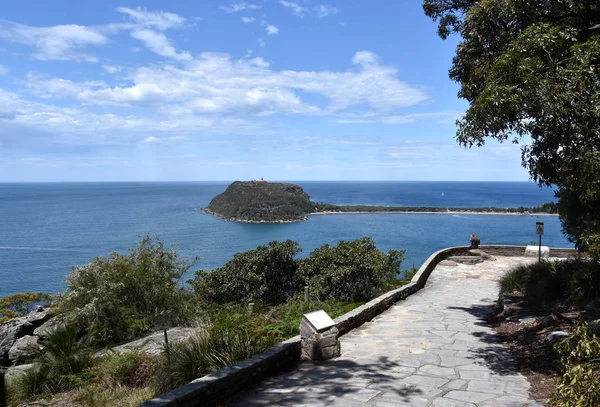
260,201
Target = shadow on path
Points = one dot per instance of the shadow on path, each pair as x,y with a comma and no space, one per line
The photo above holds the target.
321,383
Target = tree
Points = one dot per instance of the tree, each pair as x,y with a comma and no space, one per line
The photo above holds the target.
20,304
123,296
530,71
268,274
351,271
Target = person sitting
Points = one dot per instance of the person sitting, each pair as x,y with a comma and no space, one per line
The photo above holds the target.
474,239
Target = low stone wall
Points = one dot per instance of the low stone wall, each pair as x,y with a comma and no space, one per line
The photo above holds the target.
219,386
368,311
216,387
563,252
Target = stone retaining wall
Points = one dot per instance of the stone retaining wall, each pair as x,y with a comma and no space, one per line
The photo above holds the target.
219,386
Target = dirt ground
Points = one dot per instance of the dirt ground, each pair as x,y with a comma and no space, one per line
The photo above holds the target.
525,332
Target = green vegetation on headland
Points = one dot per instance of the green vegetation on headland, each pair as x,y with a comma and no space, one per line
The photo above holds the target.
273,202
121,297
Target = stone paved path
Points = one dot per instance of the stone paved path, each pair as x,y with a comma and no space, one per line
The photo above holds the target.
431,350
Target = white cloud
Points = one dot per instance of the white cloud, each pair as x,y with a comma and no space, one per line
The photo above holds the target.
262,42
239,6
217,84
272,30
364,58
321,11
248,20
296,8
158,43
158,20
151,139
112,69
3,70
324,10
440,117
59,88
40,127
59,42
63,42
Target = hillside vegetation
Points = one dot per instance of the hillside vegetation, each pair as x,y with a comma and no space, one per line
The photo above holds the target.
261,201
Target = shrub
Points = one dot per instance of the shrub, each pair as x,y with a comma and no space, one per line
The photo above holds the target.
123,296
569,281
268,274
133,369
62,365
351,271
579,383
204,352
514,280
20,304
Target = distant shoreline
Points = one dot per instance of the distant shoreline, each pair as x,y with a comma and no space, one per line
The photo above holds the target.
435,213
209,212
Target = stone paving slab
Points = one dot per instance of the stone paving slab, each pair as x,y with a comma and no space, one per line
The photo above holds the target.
431,350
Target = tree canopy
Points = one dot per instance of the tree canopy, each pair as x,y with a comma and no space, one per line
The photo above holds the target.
530,70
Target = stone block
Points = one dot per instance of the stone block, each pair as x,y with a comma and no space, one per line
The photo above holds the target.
319,337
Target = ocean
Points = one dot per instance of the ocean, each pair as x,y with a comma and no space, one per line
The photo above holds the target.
47,228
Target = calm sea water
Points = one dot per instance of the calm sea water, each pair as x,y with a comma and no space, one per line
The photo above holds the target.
45,229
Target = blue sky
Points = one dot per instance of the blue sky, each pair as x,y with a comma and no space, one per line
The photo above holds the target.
225,90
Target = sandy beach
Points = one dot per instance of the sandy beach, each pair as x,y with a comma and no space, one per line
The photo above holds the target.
435,213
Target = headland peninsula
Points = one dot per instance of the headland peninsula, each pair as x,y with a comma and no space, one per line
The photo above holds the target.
275,202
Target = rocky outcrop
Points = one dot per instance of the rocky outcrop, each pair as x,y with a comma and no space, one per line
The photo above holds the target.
10,331
18,335
152,344
46,329
24,349
38,316
482,254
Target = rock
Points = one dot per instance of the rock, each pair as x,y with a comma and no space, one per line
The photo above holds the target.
466,259
38,316
46,329
595,325
10,331
593,305
449,263
18,370
482,254
153,343
24,348
557,336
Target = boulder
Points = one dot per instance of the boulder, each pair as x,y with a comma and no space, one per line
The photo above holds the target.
466,259
12,330
38,316
595,325
152,344
482,254
15,371
46,329
557,336
24,349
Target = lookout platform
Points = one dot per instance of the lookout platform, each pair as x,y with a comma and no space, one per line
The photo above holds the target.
433,349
